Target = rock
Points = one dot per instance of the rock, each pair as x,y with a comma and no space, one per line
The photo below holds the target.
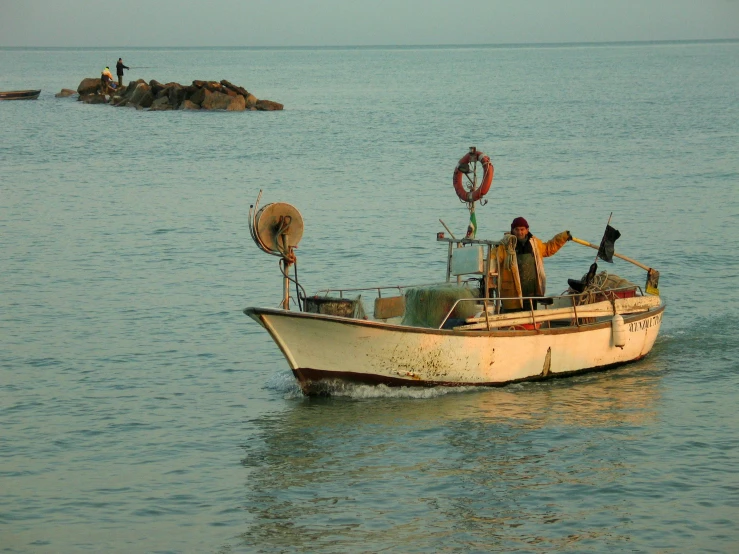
238,90
65,92
88,85
198,96
132,86
268,105
216,101
238,104
138,93
146,100
214,86
160,104
188,105
156,88
208,95
92,98
176,95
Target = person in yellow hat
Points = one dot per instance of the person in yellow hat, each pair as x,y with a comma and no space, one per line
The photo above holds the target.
106,80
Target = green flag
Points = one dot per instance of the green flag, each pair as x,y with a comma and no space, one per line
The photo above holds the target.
472,227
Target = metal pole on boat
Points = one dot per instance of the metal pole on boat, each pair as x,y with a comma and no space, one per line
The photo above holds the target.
286,263
285,286
449,254
652,285
448,230
488,272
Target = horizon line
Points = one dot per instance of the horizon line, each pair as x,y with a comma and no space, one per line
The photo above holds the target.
441,45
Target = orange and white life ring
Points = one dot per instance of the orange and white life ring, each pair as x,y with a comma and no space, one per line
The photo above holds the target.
487,176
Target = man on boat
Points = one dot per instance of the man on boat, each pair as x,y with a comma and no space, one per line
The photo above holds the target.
119,67
520,259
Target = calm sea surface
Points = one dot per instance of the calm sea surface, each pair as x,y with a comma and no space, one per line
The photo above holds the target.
141,411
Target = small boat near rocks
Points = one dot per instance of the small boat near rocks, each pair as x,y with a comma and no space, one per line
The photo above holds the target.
20,94
455,332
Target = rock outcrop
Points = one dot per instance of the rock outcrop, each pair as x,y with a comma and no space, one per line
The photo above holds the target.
156,96
88,86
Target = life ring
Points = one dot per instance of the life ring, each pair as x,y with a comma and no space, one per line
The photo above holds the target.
487,176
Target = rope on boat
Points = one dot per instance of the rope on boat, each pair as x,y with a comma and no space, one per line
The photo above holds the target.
601,283
510,242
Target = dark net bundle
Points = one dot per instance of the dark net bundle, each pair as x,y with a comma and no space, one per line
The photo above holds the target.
428,306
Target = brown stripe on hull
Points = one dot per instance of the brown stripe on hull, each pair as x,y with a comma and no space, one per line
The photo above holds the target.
317,382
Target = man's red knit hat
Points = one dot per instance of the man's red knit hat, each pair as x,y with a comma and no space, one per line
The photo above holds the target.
519,222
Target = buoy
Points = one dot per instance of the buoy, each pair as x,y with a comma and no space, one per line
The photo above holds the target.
619,331
463,168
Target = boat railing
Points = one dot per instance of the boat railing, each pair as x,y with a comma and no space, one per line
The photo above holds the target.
378,290
389,301
577,308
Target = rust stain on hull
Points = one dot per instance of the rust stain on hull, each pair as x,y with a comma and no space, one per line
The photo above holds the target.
547,362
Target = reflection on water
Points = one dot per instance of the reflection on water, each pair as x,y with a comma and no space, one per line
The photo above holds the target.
511,468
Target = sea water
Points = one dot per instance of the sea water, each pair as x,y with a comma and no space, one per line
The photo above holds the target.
142,411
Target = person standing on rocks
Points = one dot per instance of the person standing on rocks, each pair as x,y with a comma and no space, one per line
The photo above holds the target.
119,67
106,81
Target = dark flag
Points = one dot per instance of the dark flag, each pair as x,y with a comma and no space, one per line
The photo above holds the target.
607,248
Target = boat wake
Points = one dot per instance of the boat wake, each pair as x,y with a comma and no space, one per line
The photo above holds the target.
286,384
359,391
702,339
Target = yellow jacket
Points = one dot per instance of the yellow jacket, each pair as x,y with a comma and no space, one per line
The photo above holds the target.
510,280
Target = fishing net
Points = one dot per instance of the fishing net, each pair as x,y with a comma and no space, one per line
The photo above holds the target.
602,283
428,306
343,307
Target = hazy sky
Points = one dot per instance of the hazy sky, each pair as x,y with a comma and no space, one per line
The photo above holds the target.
354,22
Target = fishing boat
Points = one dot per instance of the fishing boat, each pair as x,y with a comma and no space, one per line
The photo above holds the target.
456,330
19,95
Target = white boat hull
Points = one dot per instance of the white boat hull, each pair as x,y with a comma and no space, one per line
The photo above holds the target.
321,349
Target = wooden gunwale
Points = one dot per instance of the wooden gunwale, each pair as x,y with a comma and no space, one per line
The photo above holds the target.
257,313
